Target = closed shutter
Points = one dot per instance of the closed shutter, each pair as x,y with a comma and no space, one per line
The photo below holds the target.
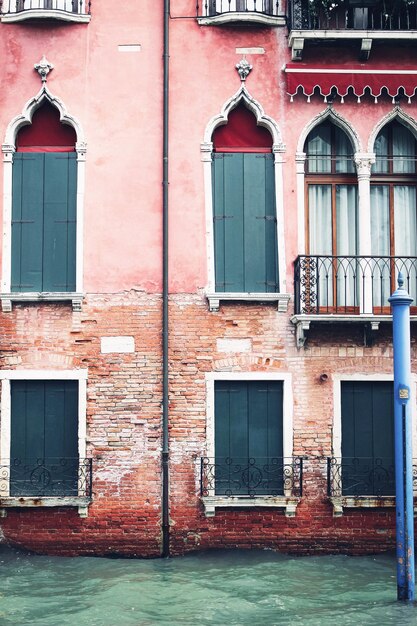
367,438
248,437
44,438
44,222
245,241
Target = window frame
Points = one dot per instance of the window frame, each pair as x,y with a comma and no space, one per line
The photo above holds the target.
6,376
341,502
7,297
287,501
278,148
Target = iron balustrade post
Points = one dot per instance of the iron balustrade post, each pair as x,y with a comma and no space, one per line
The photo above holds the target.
400,302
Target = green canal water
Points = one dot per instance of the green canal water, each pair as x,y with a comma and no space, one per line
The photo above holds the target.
214,588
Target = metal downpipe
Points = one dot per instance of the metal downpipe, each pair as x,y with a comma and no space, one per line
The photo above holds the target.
165,389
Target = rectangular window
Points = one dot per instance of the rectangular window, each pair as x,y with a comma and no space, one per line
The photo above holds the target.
44,459
44,222
249,438
367,464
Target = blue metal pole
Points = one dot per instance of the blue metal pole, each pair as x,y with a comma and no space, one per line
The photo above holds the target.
400,303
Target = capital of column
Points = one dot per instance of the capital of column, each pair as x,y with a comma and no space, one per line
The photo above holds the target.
300,159
364,162
206,151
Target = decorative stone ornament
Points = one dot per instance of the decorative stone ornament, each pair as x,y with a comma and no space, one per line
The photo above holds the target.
43,68
244,68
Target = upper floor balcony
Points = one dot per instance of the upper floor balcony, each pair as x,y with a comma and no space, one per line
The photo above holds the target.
362,20
65,10
267,12
349,289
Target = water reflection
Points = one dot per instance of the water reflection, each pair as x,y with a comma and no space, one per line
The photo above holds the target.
216,588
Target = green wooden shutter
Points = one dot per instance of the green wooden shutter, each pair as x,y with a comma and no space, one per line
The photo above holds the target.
44,222
244,214
27,222
367,438
60,222
248,437
44,438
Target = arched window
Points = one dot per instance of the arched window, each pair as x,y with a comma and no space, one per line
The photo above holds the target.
394,210
244,207
44,195
332,215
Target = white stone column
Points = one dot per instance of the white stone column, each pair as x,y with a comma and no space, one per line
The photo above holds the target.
300,159
364,162
278,152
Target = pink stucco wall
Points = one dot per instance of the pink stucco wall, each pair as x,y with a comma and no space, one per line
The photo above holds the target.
117,98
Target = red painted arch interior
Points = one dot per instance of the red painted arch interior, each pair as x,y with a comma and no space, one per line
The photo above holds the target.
46,133
242,134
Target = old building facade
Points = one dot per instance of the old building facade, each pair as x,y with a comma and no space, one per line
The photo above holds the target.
204,212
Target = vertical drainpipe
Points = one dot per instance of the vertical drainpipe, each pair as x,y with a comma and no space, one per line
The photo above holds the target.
165,390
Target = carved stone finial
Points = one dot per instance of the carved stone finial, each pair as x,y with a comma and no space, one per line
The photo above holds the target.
400,280
244,68
43,68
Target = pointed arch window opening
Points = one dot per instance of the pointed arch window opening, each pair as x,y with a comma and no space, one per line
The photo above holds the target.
393,194
244,206
331,280
44,174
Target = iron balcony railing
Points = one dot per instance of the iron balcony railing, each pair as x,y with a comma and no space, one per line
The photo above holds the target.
211,8
363,476
379,15
46,477
262,476
350,284
81,7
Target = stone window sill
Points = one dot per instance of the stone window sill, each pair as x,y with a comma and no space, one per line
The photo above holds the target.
82,502
8,298
45,14
242,16
364,502
281,298
211,503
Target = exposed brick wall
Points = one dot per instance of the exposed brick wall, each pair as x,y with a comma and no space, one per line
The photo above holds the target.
124,424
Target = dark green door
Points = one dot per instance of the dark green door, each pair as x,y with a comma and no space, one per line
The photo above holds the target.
245,240
248,437
44,222
44,438
367,439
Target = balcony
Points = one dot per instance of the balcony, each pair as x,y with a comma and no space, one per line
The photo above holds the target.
46,482
348,289
360,20
216,12
362,482
248,482
65,10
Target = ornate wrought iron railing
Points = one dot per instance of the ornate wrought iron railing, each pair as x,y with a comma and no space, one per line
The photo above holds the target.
352,15
350,284
363,476
46,477
211,8
81,7
266,476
